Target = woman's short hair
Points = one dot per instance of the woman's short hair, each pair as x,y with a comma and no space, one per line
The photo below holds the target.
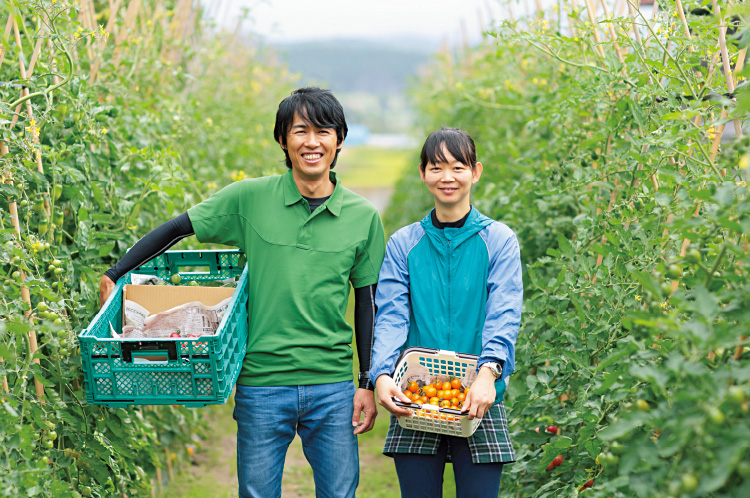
315,106
457,142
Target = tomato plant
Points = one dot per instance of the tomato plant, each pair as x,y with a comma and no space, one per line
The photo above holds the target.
119,138
632,215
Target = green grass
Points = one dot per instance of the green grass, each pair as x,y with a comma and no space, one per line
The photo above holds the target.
367,166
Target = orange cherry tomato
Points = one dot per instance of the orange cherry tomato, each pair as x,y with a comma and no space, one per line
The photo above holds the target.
413,387
408,394
447,386
435,401
424,400
445,404
447,395
454,401
461,397
455,392
456,384
430,391
440,394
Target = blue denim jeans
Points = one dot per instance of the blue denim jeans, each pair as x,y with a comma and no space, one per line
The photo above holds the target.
267,419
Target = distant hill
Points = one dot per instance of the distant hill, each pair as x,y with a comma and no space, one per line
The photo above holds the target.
380,68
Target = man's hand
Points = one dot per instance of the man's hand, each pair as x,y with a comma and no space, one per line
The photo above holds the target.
387,389
364,402
105,289
481,395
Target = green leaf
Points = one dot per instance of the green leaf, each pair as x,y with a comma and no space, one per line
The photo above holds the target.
622,427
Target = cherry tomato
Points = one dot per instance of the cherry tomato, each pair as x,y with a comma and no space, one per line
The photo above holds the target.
552,429
456,384
447,386
558,460
447,394
445,404
435,401
455,393
413,387
461,397
454,401
175,334
430,391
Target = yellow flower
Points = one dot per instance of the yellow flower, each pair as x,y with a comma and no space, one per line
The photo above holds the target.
238,175
535,81
148,23
543,82
211,185
664,304
742,183
459,85
104,131
744,161
637,297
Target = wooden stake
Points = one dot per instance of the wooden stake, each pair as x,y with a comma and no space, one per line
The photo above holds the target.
592,20
612,33
725,61
169,464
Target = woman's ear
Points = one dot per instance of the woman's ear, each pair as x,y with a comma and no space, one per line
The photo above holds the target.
476,173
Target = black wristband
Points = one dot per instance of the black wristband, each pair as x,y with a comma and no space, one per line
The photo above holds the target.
365,382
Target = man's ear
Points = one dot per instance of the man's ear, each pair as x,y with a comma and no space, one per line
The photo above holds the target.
421,171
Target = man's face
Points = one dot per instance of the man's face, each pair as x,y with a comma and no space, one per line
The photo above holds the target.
450,182
310,149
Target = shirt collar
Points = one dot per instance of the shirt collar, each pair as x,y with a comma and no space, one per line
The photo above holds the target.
333,204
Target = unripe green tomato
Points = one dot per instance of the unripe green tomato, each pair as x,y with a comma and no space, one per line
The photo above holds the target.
42,306
51,267
56,262
63,108
716,416
61,334
616,448
743,469
58,218
50,425
736,395
58,321
693,256
57,191
642,405
58,271
43,226
16,275
666,288
49,444
24,203
39,205
46,246
689,483
673,271
175,278
52,435
85,491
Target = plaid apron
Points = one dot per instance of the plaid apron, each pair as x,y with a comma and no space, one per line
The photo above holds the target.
490,443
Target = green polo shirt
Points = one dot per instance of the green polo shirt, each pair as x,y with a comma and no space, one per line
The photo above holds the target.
299,268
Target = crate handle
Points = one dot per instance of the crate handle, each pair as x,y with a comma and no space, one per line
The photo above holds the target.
152,347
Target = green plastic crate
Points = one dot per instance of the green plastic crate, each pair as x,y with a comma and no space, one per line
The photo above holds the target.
196,371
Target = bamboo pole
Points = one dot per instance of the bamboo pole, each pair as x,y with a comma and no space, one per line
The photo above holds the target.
592,20
3,48
170,471
612,33
725,60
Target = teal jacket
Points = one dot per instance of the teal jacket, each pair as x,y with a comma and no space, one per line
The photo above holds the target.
457,289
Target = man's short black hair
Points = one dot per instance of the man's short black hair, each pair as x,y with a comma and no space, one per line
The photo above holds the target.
458,142
315,106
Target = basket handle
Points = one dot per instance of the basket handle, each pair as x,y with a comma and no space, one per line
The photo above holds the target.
168,348
417,406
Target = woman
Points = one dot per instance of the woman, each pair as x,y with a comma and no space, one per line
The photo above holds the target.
451,281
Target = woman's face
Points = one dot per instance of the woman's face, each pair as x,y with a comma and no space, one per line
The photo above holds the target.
450,182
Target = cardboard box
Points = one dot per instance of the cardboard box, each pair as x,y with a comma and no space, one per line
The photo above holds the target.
158,298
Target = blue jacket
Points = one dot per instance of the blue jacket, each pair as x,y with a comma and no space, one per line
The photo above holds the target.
458,289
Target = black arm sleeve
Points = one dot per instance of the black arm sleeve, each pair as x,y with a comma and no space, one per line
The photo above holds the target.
152,244
364,323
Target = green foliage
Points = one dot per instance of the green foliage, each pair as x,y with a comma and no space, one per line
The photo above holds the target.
173,113
604,169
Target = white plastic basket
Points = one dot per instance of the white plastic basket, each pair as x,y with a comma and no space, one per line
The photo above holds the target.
423,366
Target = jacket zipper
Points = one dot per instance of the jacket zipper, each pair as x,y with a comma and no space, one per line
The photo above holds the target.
450,321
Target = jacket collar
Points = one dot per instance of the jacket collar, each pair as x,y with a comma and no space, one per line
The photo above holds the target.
292,195
474,223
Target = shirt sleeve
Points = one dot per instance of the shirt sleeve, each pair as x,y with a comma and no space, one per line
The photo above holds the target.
393,310
364,325
218,219
504,301
369,256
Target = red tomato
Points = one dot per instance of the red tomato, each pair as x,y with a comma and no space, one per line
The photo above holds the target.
558,460
552,429
175,334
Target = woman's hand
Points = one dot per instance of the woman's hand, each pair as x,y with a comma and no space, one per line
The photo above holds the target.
386,389
481,395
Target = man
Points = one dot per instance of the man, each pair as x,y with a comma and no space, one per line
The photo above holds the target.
306,238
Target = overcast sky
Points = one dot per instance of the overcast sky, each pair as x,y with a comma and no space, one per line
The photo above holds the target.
298,20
